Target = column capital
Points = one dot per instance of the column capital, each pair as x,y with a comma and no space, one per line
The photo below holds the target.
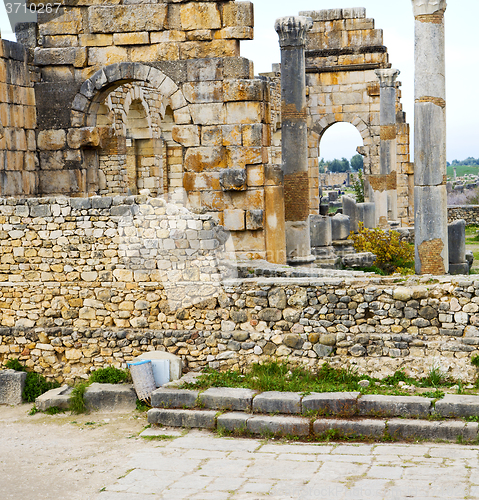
292,30
387,77
428,7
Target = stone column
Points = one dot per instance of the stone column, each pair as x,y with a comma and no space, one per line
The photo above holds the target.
385,185
430,198
294,137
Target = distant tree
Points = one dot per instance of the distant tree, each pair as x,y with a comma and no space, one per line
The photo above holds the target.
357,163
322,166
339,165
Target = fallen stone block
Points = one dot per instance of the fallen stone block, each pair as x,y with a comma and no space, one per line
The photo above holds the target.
423,429
277,402
234,421
456,405
110,397
350,428
394,406
226,398
278,425
12,384
59,397
201,419
174,398
341,404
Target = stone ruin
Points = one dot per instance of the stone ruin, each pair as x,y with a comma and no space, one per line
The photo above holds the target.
109,109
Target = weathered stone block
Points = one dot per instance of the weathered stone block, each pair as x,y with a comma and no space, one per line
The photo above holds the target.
110,397
208,114
225,398
340,227
234,220
81,137
277,402
183,418
238,14
243,90
204,70
127,18
176,364
200,15
234,421
233,179
204,158
455,405
187,135
254,219
67,23
59,397
243,112
75,56
264,425
350,428
331,403
203,92
422,429
12,384
392,406
174,398
50,140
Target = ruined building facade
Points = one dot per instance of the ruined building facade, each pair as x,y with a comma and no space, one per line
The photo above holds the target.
109,99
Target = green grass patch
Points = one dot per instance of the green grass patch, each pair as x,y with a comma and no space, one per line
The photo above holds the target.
109,375
462,170
276,376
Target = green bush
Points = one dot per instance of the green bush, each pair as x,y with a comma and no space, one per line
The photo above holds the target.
110,375
392,254
14,364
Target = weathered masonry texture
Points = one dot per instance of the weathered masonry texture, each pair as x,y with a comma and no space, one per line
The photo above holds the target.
110,99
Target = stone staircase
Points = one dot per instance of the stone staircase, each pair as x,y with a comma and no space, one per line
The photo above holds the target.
318,415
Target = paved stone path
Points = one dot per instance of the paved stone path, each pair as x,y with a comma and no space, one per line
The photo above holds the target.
199,465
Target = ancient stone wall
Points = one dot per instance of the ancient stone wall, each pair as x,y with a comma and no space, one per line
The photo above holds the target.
18,159
92,282
470,213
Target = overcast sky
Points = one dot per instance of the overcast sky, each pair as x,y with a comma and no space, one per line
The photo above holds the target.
395,17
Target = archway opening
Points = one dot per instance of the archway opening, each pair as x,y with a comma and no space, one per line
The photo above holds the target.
340,149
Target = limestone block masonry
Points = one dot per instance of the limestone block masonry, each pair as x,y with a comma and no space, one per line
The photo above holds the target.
95,282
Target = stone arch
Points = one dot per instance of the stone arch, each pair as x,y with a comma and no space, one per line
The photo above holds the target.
94,90
91,108
315,134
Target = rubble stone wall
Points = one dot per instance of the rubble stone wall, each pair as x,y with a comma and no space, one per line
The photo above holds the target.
470,213
18,158
91,282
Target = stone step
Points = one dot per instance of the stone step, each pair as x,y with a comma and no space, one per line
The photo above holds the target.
288,425
457,405
59,397
394,406
339,404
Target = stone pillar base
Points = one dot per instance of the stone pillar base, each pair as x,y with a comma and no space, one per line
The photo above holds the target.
298,243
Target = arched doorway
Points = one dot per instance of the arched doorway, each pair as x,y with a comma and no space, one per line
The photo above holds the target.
134,110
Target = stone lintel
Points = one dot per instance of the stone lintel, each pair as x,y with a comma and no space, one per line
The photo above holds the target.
428,7
387,77
292,30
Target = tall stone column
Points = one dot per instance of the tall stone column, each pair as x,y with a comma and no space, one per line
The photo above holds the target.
385,185
430,199
294,136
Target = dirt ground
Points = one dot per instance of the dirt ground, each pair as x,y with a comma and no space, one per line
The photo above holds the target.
64,456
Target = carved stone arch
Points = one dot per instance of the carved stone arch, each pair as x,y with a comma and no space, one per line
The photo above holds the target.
99,85
88,104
